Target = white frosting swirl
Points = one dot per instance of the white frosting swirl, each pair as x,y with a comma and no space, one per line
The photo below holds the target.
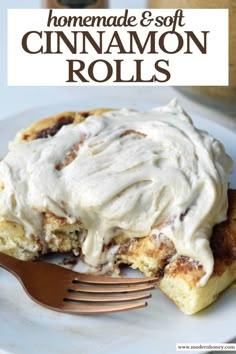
133,171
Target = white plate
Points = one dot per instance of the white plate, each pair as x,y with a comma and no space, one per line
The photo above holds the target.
26,328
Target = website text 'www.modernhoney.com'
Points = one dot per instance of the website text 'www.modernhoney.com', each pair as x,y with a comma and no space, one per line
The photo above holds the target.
229,347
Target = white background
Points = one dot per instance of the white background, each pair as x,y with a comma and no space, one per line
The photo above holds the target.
185,69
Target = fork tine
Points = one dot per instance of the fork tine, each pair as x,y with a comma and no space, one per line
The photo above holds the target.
97,279
110,289
73,308
105,299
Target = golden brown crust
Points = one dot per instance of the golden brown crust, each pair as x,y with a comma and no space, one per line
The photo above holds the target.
223,244
181,275
59,236
223,240
14,242
149,254
50,126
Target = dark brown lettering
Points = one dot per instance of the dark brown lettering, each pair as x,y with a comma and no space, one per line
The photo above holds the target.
162,70
119,73
115,42
108,67
75,71
191,37
162,42
24,42
150,39
97,46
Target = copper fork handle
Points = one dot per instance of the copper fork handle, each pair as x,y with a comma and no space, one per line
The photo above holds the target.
11,264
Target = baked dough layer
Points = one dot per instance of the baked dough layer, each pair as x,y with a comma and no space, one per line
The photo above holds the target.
154,255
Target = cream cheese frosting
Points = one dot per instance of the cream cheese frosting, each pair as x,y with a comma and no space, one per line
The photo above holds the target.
137,172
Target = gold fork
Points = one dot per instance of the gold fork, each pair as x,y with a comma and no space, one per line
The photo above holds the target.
64,290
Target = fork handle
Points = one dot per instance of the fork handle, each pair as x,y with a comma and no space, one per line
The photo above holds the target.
11,264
